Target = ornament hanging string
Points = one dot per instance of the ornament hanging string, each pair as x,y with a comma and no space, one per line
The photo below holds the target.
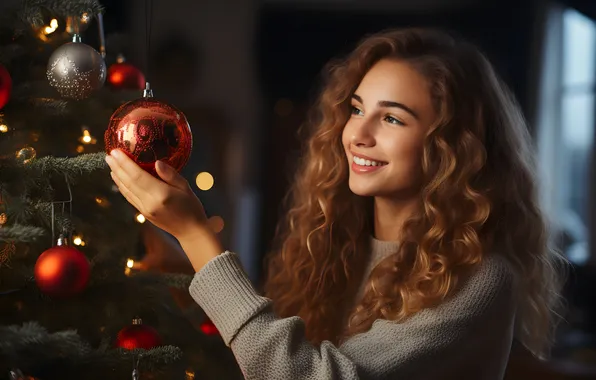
135,366
148,24
63,203
102,36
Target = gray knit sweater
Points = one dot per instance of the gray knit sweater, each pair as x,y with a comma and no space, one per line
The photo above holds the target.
468,336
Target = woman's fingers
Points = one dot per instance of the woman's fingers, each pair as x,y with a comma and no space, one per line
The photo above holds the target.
170,176
131,175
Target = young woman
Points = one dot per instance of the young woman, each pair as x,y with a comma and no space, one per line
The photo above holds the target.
414,247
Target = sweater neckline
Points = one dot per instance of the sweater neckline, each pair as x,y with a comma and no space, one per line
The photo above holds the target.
383,247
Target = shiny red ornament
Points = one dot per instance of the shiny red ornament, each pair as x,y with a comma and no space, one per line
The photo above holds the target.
138,335
208,328
124,76
148,130
5,86
62,271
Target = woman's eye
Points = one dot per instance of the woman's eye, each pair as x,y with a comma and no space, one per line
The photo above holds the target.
356,111
392,120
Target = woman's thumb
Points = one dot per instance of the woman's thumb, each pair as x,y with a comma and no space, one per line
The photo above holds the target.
169,175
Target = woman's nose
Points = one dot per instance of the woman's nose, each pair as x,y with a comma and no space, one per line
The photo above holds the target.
363,134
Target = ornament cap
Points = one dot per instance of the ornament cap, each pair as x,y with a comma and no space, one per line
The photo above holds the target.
76,38
62,240
147,92
137,321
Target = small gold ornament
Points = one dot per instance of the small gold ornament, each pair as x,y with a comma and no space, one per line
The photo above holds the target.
26,154
3,219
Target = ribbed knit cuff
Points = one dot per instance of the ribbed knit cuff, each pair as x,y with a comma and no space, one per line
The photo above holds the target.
223,290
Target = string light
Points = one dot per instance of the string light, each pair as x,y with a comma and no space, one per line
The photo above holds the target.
204,181
87,138
3,126
80,149
45,31
190,374
140,218
52,27
77,240
130,266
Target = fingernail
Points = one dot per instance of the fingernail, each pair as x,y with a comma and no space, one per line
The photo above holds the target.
108,159
115,153
160,165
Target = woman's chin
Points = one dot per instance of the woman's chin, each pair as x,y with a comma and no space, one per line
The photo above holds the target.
363,191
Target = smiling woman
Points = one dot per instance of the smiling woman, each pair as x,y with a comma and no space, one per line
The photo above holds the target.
413,247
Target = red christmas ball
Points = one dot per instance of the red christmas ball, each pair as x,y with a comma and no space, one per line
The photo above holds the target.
5,86
148,130
138,335
124,76
62,271
208,328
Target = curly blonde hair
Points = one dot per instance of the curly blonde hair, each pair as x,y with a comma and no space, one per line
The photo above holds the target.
478,197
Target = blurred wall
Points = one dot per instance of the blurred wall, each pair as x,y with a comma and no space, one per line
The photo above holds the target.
222,102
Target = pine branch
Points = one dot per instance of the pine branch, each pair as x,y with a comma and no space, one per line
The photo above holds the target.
31,11
154,358
43,210
16,339
49,106
20,233
51,347
71,167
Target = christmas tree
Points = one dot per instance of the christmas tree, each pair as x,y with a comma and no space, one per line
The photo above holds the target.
75,300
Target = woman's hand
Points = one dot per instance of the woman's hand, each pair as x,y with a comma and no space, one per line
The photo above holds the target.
169,204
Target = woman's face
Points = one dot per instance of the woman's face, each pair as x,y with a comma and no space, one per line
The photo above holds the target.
383,139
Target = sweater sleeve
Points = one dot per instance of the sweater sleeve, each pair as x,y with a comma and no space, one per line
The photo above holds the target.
475,324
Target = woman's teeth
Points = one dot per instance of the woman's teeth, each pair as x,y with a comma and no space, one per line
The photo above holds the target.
363,162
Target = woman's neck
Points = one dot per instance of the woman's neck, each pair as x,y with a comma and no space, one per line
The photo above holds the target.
390,216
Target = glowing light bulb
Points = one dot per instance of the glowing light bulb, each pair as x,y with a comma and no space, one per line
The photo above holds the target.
77,240
54,23
204,181
87,138
130,263
140,218
3,128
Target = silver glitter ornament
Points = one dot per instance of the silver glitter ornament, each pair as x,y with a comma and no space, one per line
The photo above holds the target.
75,70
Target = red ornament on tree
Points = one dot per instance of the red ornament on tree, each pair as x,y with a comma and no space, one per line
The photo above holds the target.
5,86
124,76
62,270
208,328
138,335
148,130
